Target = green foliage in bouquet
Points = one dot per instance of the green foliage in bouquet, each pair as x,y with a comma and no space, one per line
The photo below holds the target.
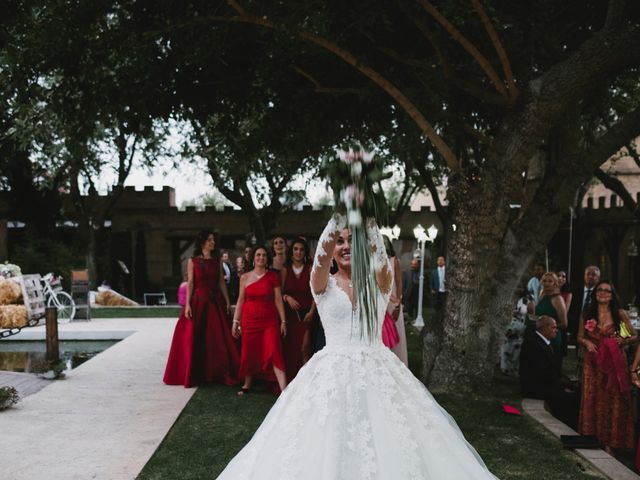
355,176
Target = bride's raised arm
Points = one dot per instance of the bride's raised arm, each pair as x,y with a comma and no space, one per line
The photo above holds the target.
324,253
380,260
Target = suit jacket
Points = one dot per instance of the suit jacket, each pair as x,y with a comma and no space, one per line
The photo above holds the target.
539,369
434,280
410,288
575,310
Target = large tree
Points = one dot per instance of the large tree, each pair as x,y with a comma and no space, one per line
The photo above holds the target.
519,123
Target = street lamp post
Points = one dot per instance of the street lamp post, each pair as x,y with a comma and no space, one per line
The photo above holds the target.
422,237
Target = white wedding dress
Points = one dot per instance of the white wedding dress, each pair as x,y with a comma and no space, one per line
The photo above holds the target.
354,411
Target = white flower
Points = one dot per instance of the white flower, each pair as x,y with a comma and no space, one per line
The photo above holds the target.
367,157
346,196
356,169
346,157
354,218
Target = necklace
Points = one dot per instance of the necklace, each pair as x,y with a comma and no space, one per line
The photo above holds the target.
258,277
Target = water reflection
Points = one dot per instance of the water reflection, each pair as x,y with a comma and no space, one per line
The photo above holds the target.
30,357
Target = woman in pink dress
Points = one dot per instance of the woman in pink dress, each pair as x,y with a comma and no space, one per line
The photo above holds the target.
260,320
202,349
390,336
182,291
299,307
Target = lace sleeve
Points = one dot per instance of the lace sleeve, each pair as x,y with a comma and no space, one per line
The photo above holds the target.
322,259
379,258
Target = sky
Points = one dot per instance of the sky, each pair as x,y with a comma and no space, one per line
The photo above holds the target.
189,182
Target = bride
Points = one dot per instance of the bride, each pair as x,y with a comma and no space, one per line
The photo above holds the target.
355,411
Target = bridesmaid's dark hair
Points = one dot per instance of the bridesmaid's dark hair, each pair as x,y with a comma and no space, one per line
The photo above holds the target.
253,256
614,306
273,251
201,237
304,244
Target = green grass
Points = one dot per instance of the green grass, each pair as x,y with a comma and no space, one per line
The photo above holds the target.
216,424
135,312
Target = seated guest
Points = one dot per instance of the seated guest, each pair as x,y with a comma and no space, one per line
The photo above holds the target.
540,375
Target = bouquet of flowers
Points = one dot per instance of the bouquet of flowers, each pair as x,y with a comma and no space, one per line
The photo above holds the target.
355,176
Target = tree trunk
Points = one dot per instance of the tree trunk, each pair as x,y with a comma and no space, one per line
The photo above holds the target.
91,256
459,348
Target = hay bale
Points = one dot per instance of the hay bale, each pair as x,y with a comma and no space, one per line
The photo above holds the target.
12,316
114,299
10,292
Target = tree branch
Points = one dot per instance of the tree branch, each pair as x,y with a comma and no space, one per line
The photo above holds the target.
502,54
566,83
319,88
446,68
411,62
617,136
618,188
427,179
468,46
403,101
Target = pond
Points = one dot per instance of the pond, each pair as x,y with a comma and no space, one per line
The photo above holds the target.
30,356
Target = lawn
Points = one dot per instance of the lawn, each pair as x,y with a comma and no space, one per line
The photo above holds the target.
216,424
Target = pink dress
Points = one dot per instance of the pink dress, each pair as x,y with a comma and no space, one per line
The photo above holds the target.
182,293
389,331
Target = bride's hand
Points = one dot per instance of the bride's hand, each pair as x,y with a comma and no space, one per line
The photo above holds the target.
283,329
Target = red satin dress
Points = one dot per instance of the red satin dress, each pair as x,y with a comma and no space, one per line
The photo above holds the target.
297,287
202,349
261,345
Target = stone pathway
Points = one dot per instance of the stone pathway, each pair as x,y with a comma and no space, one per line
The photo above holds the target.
106,418
25,383
600,459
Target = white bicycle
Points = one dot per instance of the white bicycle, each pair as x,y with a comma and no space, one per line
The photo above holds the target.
56,297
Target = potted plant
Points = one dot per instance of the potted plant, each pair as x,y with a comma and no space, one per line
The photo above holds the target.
8,397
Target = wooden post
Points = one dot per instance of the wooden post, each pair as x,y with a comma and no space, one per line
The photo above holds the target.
53,352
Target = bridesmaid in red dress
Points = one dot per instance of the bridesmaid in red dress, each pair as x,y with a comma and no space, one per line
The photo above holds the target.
259,318
202,349
299,307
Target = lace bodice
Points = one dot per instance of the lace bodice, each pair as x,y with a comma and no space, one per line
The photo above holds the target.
340,320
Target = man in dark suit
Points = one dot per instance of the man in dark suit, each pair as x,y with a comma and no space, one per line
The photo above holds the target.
438,286
540,375
581,298
411,282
